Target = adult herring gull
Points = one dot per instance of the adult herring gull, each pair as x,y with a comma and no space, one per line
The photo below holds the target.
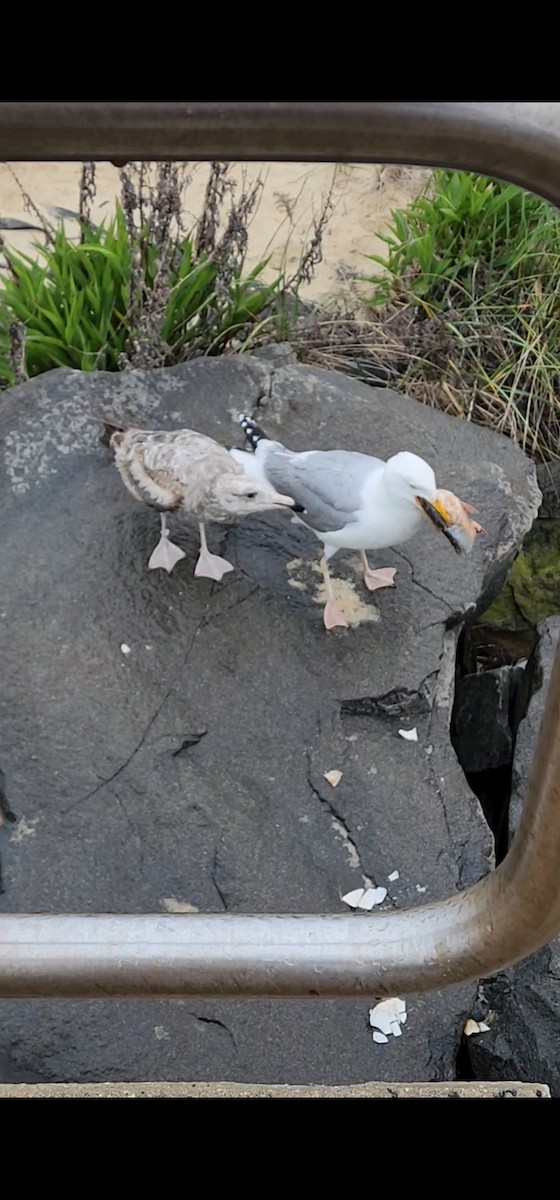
353,501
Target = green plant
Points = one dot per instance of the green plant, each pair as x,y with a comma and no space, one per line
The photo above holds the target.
72,301
460,226
75,302
467,310
7,376
138,291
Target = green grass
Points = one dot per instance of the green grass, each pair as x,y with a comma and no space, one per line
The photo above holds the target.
82,304
469,304
140,291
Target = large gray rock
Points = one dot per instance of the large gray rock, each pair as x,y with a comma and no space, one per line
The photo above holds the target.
524,1002
121,805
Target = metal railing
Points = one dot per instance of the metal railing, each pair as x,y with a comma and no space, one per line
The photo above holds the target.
515,909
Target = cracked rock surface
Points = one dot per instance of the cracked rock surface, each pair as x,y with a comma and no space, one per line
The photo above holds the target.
189,773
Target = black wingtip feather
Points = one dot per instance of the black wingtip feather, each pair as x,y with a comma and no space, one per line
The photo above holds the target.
252,431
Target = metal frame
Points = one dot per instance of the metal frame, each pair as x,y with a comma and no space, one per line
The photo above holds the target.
515,909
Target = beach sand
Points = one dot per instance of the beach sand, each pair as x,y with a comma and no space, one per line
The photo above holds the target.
363,196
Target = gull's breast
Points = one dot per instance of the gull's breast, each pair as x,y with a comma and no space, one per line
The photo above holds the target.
377,527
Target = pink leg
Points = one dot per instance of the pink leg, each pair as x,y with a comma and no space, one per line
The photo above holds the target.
332,615
377,579
166,553
210,566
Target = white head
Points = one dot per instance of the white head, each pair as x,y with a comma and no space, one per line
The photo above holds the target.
411,481
238,496
410,477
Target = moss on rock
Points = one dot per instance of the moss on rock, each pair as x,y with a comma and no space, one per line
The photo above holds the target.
532,589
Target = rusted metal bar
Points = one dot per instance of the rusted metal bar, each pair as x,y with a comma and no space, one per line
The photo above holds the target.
516,909
515,141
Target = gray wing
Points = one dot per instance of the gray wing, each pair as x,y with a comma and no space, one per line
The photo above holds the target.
328,483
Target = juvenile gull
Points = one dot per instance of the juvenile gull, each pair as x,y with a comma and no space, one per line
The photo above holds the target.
187,473
355,502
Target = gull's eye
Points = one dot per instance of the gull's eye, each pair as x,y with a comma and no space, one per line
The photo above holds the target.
251,495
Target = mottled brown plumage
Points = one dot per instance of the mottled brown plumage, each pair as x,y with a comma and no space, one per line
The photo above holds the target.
188,473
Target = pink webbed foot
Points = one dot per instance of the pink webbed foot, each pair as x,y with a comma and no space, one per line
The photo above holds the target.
165,555
385,577
211,566
333,617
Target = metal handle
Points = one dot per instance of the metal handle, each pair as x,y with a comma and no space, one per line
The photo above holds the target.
513,141
516,909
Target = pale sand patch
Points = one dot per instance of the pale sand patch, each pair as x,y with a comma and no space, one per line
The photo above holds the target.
24,829
363,197
356,609
172,905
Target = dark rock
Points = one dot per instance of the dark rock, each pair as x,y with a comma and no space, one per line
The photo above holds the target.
548,476
485,648
483,736
524,1002
523,1040
529,712
122,807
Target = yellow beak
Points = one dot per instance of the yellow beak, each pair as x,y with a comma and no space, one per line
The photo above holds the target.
435,511
441,509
